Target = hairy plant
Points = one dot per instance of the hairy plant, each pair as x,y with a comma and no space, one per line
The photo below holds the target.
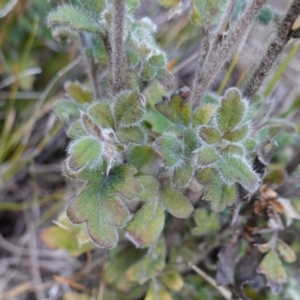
213,144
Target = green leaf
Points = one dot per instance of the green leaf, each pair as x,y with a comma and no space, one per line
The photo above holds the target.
234,150
101,115
207,155
235,169
203,114
232,110
176,203
134,135
76,130
237,134
100,206
74,17
158,60
209,134
182,175
146,225
206,175
157,291
172,279
220,195
133,58
61,238
142,157
150,265
191,141
273,270
85,208
171,149
205,223
148,72
85,152
67,110
118,264
178,108
91,127
150,187
286,252
76,91
249,144
128,108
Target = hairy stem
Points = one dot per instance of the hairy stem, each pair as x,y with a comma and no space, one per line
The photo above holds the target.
225,49
117,44
208,50
281,38
92,67
205,47
225,20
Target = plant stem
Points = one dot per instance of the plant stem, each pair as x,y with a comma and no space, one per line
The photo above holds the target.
275,47
117,44
224,50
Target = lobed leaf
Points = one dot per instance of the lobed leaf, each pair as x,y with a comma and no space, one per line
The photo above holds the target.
74,17
219,194
207,155
91,127
131,135
85,152
231,111
158,60
249,143
203,114
206,175
234,150
171,149
209,134
150,265
237,134
148,71
150,187
99,205
76,130
128,108
182,175
235,169
146,225
77,92
191,141
176,203
85,208
178,108
101,114
67,110
205,223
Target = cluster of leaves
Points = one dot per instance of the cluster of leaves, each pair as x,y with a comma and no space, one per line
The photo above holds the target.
209,144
